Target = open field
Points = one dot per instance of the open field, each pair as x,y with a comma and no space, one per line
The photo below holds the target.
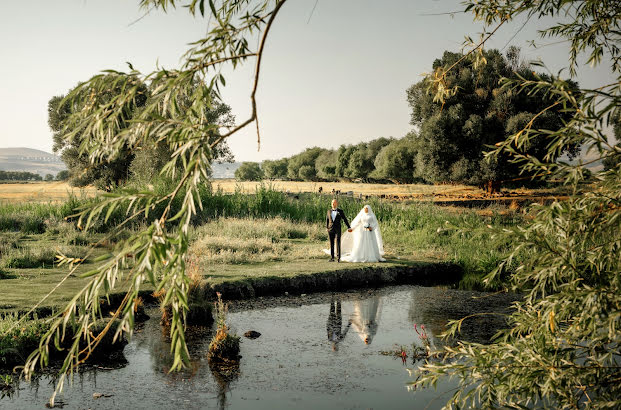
55,191
416,192
58,191
268,235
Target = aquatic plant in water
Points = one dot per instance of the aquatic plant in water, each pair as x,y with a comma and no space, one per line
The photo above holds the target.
224,346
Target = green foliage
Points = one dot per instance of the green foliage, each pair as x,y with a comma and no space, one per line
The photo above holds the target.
147,160
396,161
28,257
33,218
325,165
113,171
19,176
275,169
249,171
62,175
302,165
19,338
456,131
563,345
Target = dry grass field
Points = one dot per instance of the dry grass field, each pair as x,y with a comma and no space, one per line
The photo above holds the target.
55,191
58,191
436,193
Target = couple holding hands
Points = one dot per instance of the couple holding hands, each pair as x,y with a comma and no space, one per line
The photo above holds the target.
363,240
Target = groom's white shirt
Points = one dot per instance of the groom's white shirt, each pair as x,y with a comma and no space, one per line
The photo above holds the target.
334,212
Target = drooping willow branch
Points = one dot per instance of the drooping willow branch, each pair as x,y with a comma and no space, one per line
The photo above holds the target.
174,116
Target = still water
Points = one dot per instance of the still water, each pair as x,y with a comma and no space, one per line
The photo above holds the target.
315,351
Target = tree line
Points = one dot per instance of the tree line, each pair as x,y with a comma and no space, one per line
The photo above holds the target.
448,139
32,176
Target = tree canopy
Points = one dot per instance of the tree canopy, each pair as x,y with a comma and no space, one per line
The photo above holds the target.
143,164
249,171
562,347
455,133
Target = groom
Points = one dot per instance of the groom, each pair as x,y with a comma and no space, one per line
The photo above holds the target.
333,224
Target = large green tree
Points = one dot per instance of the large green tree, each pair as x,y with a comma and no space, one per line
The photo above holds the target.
111,172
276,169
302,166
455,132
562,347
249,171
395,161
142,164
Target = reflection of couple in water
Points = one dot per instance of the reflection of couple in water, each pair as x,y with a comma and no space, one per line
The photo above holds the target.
364,320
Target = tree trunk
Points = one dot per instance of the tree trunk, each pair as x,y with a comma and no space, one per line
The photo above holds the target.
492,186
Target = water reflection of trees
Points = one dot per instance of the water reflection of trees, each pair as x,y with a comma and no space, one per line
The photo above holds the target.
157,343
434,307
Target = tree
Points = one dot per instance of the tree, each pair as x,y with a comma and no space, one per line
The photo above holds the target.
62,175
563,345
49,177
454,133
152,155
304,159
275,169
110,172
395,161
325,165
19,176
249,171
357,161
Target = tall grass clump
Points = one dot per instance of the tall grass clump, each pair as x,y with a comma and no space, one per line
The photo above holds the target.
30,218
18,341
224,346
253,240
35,256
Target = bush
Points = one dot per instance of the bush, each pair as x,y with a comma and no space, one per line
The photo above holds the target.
249,171
224,346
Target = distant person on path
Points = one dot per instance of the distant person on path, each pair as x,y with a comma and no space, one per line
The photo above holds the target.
334,218
335,324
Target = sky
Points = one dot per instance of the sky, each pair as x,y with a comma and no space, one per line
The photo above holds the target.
334,72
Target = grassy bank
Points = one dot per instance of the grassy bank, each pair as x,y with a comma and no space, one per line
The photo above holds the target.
240,235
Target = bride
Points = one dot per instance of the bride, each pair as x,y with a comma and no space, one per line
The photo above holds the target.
364,243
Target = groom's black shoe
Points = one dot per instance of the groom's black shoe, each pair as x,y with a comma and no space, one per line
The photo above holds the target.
331,260
338,260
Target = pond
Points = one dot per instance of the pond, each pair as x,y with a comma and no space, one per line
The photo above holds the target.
315,351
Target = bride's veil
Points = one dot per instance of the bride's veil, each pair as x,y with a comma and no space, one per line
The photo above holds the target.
347,239
377,230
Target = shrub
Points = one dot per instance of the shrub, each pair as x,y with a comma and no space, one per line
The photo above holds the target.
224,346
249,171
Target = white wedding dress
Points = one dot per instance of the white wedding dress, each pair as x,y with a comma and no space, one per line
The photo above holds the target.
362,244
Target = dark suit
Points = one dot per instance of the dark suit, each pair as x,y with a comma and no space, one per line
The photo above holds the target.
334,230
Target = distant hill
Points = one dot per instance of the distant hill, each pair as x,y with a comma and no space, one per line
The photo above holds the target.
31,160
42,163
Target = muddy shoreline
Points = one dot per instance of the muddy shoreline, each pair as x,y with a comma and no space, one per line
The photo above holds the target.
423,274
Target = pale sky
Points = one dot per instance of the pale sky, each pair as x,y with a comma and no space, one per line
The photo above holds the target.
338,78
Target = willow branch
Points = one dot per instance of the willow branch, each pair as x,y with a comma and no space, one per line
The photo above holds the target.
257,73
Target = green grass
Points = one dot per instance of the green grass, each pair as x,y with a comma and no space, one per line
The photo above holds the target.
242,236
